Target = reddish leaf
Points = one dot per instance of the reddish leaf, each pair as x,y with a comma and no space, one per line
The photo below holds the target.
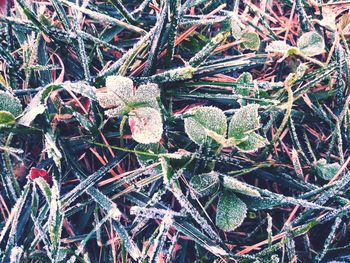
36,173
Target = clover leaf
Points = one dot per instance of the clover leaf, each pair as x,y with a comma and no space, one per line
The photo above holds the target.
311,44
205,184
250,40
120,97
242,128
231,211
10,108
205,119
146,125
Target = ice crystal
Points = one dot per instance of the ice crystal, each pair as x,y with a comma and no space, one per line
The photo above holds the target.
326,170
311,44
231,211
238,186
203,119
146,125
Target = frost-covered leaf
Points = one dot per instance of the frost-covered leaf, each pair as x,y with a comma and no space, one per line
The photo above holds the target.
203,119
278,47
245,78
244,121
250,40
55,222
311,44
239,187
326,171
120,97
241,130
252,142
16,254
6,118
119,94
147,94
45,188
261,203
10,104
204,184
121,87
146,160
231,211
146,125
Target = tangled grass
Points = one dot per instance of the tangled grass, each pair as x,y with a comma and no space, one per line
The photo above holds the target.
174,131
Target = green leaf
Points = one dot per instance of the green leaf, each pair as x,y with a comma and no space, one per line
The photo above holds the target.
55,222
251,40
242,128
238,186
205,184
10,103
203,119
231,211
52,149
311,44
245,78
252,142
326,171
6,118
244,121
